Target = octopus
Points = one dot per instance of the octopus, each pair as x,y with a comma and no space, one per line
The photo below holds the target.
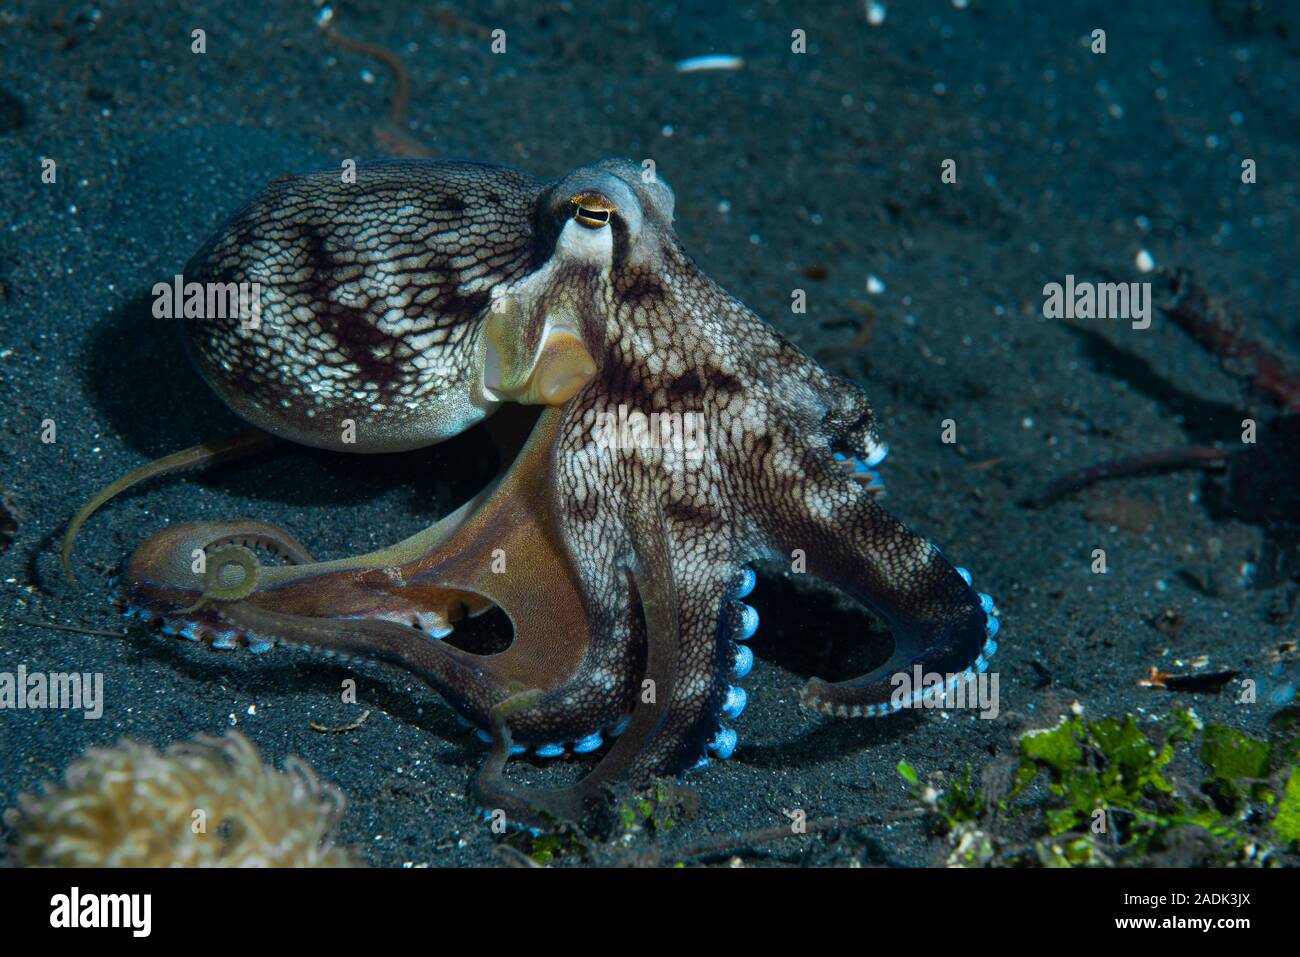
659,438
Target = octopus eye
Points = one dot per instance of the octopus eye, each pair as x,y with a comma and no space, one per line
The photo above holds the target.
591,209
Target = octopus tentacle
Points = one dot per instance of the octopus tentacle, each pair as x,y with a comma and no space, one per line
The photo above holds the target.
490,551
232,573
635,752
457,675
686,582
937,620
851,420
204,454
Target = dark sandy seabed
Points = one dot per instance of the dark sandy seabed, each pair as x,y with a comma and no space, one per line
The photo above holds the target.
808,171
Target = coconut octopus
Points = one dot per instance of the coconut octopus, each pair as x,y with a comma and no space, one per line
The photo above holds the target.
679,438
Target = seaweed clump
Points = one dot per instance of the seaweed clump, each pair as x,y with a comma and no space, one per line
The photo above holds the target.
622,835
1107,797
210,802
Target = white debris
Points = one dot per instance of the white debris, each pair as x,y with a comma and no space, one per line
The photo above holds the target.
711,61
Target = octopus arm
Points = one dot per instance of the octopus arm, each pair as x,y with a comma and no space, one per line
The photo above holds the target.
649,571
392,605
938,622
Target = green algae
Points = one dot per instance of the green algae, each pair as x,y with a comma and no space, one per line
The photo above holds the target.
1103,792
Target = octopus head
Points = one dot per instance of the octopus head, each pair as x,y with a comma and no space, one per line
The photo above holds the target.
612,213
543,335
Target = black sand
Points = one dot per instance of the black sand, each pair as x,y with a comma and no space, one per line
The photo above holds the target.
808,171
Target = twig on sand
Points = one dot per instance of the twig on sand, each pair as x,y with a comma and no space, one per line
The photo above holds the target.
339,729
1215,326
75,629
394,138
1171,460
749,840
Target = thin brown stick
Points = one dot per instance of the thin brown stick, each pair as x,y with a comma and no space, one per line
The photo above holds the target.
1167,461
1217,328
768,835
75,629
340,729
401,76
395,139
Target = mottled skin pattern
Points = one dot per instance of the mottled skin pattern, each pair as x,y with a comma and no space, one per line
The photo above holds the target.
372,297
416,300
